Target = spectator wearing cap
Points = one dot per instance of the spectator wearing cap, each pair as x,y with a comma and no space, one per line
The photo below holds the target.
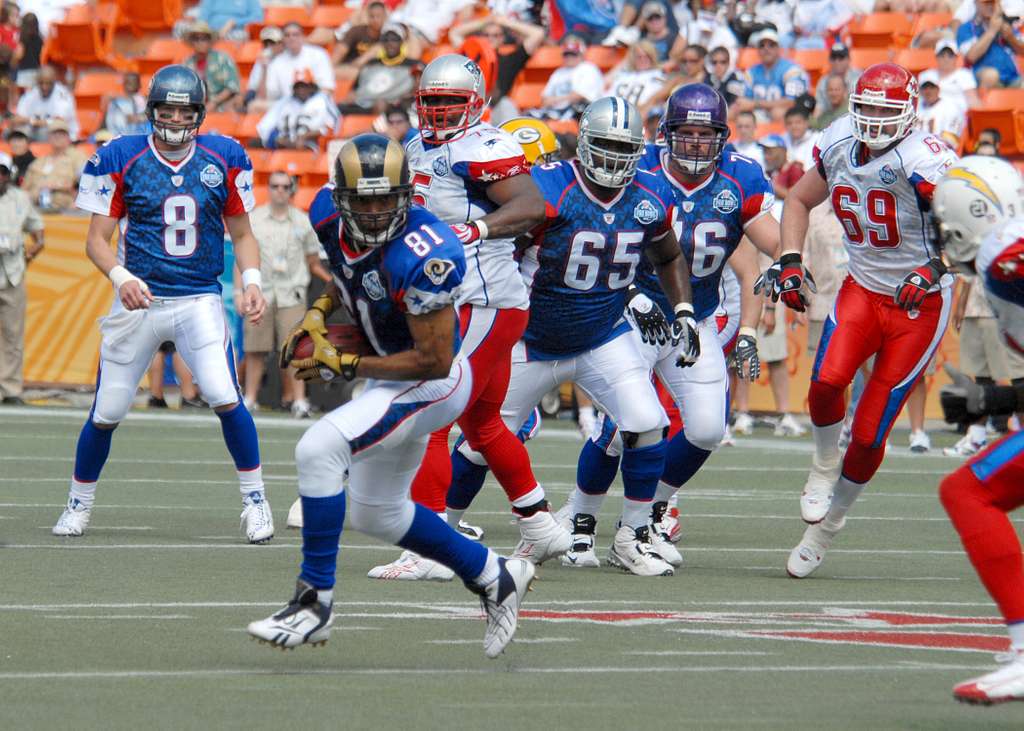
298,121
838,65
631,15
955,82
814,20
125,113
17,217
941,117
48,99
214,67
255,99
989,45
297,56
722,77
52,180
572,85
745,140
783,173
21,155
773,84
800,138
654,29
837,94
514,41
638,77
388,79
229,18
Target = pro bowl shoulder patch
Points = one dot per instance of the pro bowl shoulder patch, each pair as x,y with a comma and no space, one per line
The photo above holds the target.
211,176
440,167
645,213
437,270
95,159
725,202
887,174
373,286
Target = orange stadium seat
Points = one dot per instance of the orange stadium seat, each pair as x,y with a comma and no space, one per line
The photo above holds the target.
90,88
221,123
162,51
330,16
916,60
429,54
747,57
89,120
342,89
149,15
41,149
880,30
318,174
293,162
304,197
261,167
526,96
813,60
246,129
280,15
930,21
605,57
861,58
1003,109
84,41
543,61
355,124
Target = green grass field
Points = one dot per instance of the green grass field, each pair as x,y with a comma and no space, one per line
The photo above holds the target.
141,622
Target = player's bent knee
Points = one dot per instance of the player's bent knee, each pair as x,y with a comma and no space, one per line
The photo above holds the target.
322,457
704,434
638,440
112,405
958,490
224,408
387,522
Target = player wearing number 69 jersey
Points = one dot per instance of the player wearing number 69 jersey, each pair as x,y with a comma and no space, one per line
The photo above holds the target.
879,174
170,194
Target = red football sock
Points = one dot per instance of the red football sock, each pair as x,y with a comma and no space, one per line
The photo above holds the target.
430,486
505,455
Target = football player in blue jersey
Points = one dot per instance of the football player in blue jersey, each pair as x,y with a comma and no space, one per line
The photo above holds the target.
718,199
169,194
603,216
397,269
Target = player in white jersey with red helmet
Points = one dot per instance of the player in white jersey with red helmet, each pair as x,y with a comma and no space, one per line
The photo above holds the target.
879,174
475,177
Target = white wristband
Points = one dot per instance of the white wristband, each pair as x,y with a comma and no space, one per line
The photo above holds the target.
683,309
748,331
120,276
481,227
252,276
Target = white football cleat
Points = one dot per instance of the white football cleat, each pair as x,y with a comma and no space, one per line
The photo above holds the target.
582,554
744,424
472,532
74,520
816,498
787,426
542,538
500,601
632,551
805,559
295,514
999,686
665,522
919,441
256,520
303,621
301,409
412,567
664,548
728,440
966,447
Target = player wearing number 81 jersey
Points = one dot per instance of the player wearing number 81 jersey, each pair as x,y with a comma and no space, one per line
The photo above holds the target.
879,174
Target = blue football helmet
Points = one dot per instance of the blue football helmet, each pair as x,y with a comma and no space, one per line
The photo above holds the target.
179,86
695,105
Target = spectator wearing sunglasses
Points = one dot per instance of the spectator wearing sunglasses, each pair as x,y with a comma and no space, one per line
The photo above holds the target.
723,77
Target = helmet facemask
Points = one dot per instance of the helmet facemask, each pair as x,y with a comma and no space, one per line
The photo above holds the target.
609,162
172,132
695,153
374,212
878,132
446,114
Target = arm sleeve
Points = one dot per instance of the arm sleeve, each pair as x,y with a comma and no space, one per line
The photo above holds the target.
758,194
240,196
497,158
99,188
430,282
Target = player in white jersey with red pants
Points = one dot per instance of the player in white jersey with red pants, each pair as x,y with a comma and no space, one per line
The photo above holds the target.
879,174
475,177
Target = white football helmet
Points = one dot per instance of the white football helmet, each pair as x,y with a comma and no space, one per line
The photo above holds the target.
611,141
450,98
974,196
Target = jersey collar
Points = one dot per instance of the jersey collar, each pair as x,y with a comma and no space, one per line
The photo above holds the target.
607,205
170,164
679,184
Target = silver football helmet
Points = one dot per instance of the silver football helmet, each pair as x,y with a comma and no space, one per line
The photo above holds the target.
450,98
973,197
611,141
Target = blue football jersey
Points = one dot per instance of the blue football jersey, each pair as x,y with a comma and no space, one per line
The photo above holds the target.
784,80
171,214
584,257
709,222
418,271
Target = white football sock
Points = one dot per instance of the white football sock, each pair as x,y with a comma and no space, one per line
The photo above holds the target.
454,516
1016,635
636,513
977,433
83,492
665,492
583,502
826,444
325,596
491,570
844,495
250,480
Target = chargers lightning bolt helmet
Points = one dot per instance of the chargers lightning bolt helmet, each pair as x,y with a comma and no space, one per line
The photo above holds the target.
372,190
695,105
611,141
176,85
450,98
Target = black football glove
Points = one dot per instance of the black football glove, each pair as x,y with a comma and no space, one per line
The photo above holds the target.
647,316
683,331
745,351
914,287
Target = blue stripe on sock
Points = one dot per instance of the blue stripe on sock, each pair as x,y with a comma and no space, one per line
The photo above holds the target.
322,520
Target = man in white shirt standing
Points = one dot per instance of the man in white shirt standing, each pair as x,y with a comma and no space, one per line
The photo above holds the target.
574,84
942,117
48,99
297,56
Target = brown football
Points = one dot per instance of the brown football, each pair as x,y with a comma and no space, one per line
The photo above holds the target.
346,338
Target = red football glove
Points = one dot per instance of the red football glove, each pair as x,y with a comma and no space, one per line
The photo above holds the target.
914,288
785,280
467,232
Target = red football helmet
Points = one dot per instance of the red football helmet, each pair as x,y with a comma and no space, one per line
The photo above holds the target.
884,87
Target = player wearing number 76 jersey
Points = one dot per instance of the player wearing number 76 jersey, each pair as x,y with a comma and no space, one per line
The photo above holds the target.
170,195
879,174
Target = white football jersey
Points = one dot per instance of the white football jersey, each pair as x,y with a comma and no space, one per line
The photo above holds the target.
945,119
451,180
1004,292
883,202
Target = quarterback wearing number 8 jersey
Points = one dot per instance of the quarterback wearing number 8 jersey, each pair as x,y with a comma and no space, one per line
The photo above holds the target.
169,194
879,174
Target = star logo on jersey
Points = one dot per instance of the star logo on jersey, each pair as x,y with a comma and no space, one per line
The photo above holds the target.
490,143
645,213
609,218
211,176
177,180
887,174
103,190
440,167
373,286
437,270
725,202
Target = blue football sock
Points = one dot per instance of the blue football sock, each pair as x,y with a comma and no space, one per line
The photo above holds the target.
240,436
431,537
596,469
92,451
322,519
641,469
467,480
682,460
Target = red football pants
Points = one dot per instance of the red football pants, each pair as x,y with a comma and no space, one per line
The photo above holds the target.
488,336
864,323
977,498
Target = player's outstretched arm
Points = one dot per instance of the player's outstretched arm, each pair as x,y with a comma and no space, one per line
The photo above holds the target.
247,257
131,291
520,207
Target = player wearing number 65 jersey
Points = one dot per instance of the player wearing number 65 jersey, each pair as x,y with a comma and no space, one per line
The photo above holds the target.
879,174
170,194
